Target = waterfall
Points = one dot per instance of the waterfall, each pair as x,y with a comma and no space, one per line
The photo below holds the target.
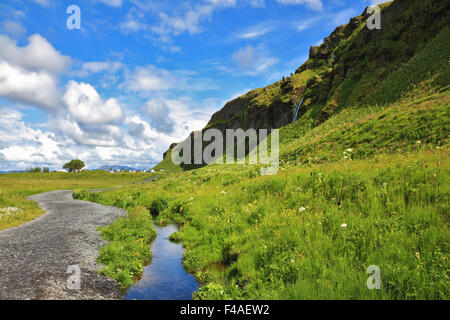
297,108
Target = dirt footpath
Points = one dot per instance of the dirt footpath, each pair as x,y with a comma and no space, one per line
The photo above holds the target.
34,257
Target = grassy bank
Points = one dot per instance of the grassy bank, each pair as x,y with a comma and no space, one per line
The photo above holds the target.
128,249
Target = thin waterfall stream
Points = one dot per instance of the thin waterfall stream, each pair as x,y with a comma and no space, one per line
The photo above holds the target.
297,108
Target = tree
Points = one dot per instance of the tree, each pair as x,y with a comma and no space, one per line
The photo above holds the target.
74,165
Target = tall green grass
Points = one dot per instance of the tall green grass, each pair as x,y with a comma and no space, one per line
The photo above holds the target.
283,237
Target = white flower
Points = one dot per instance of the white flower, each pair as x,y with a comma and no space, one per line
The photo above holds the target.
344,225
191,198
301,209
9,211
349,150
223,192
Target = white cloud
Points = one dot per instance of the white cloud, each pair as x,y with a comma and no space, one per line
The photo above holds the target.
158,111
254,32
134,22
149,78
186,17
105,135
37,55
20,143
14,28
29,87
87,107
93,67
174,119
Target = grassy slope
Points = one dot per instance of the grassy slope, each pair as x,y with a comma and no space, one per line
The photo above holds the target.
15,187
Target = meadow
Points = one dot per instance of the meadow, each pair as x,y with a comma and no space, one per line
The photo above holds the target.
307,233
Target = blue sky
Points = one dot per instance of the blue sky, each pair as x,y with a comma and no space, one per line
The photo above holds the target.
140,75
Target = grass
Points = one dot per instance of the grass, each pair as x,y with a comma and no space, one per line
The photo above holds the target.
281,237
371,131
15,187
128,249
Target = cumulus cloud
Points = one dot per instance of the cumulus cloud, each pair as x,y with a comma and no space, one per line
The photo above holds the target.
87,107
21,143
29,87
105,135
37,55
149,78
29,74
158,111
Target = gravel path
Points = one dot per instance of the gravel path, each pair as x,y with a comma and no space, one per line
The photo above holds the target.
151,179
34,257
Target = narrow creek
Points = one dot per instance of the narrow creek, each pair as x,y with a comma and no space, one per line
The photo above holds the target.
164,278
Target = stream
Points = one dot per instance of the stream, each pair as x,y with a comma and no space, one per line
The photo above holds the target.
164,278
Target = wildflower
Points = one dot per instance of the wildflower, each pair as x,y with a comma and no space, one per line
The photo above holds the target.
344,225
301,209
191,198
349,150
223,192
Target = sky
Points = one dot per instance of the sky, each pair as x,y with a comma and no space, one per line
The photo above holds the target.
139,75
